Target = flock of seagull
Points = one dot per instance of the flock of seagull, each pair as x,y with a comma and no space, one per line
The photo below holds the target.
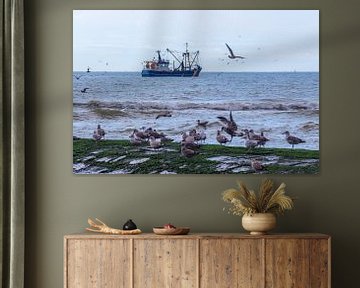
191,140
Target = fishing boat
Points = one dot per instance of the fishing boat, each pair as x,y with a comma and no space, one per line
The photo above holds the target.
184,66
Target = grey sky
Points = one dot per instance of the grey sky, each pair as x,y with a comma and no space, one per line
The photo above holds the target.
271,40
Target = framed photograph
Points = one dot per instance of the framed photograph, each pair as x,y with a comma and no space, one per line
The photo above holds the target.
196,92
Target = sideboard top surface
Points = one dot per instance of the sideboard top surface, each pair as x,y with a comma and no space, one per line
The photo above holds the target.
87,235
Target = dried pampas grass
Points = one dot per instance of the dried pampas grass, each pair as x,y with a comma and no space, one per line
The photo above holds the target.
267,200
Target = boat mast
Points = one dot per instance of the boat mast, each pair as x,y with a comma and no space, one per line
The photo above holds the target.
180,62
159,57
186,62
168,50
186,57
196,56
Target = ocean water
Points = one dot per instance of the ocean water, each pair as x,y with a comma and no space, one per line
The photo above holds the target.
270,102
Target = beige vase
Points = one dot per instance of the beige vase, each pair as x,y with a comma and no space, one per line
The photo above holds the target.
259,223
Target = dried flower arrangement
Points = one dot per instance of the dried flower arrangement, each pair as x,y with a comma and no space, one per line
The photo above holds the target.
267,200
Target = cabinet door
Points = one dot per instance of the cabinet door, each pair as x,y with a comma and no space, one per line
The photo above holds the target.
98,263
231,263
287,263
167,263
320,263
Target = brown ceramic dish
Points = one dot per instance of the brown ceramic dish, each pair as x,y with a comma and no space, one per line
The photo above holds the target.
171,231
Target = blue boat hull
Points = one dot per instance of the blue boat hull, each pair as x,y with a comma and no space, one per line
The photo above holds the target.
175,73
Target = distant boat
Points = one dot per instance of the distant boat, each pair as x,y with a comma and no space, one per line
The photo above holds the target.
186,67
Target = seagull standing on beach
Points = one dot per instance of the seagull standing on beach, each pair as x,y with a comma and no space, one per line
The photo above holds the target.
253,136
250,143
153,132
100,131
256,165
232,55
292,140
231,132
140,134
261,139
187,151
155,143
202,136
221,138
195,134
202,124
134,140
187,138
96,136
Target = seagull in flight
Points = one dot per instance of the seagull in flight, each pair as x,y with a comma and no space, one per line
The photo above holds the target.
232,55
229,126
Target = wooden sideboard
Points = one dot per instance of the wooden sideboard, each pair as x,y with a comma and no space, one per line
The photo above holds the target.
197,260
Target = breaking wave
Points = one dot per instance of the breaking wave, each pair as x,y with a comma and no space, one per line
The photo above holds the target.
154,107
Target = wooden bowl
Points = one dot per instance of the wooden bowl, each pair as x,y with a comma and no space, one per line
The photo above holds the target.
171,231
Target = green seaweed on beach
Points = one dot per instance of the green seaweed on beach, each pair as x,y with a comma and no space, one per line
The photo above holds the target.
119,156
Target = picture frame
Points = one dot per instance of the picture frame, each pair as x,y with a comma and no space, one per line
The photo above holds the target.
176,115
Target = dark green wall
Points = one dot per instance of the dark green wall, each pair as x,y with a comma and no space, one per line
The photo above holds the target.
58,202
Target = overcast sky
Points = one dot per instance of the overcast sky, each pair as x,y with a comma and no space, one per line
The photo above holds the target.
271,40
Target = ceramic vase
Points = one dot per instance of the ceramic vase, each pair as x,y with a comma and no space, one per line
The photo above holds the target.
259,223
